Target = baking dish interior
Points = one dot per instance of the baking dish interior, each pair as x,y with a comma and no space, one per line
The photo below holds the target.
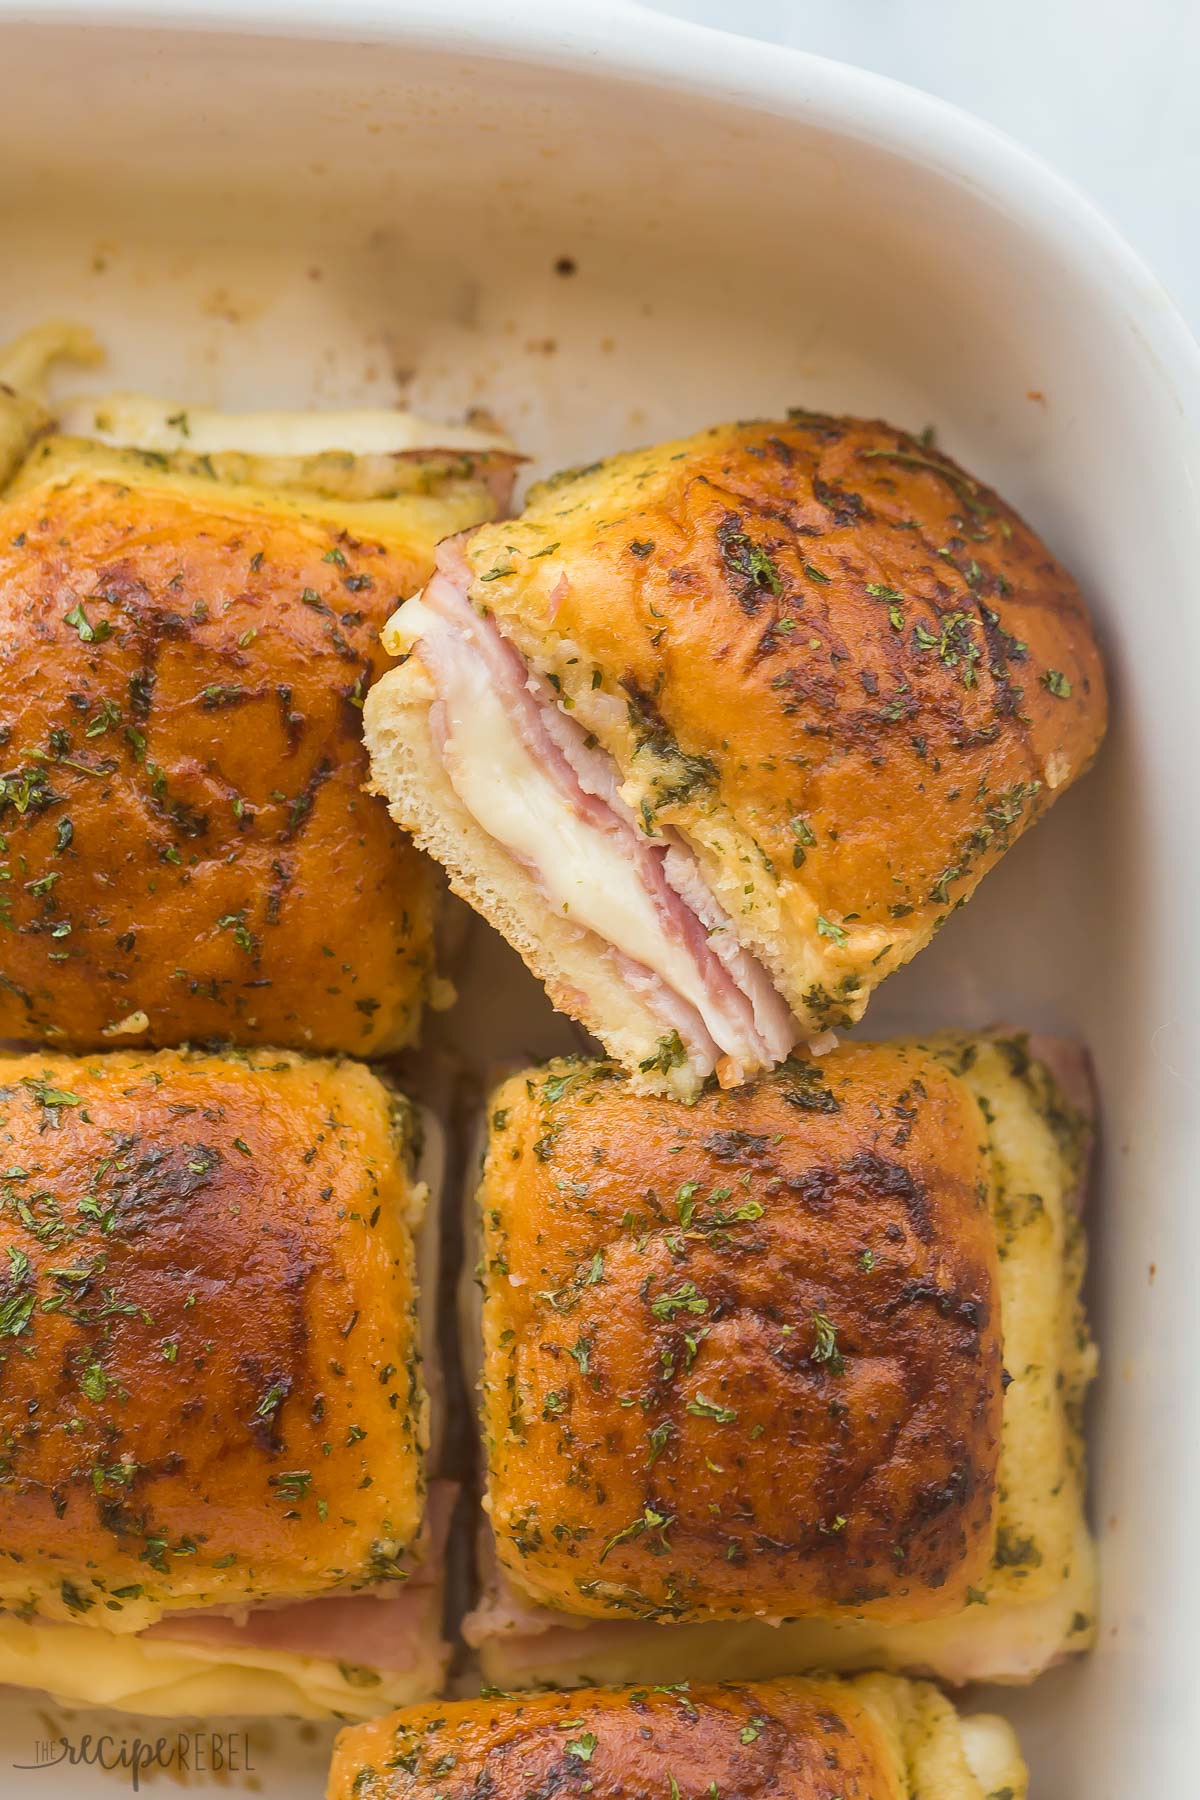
599,260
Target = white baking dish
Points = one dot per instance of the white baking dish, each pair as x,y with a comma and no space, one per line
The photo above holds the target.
272,209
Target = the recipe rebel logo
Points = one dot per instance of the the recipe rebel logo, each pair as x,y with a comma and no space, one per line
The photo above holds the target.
179,1753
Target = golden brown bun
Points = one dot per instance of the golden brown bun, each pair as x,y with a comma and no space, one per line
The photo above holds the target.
804,1740
742,1359
209,1270
847,672
185,653
1037,1601
871,1739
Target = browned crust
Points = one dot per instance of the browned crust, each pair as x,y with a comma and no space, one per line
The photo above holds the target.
182,819
744,1357
208,1272
791,1740
826,634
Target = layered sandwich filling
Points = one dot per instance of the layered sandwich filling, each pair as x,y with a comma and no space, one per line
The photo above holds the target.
389,1627
342,1653
521,1643
541,788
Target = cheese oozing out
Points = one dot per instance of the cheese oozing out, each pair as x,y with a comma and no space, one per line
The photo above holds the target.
141,422
532,779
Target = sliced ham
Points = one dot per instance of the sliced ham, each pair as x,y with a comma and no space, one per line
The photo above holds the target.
1071,1066
502,1611
386,1628
369,1630
675,945
522,1644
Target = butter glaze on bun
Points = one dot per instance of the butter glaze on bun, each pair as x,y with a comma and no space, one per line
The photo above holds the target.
742,1359
209,1263
875,1738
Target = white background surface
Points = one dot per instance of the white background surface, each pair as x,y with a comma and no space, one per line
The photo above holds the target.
1106,90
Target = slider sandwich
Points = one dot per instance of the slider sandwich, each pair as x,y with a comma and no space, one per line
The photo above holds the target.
213,1413
791,1378
190,606
717,734
873,1738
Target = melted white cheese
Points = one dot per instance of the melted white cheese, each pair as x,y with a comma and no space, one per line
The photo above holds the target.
992,1755
79,1665
140,422
584,873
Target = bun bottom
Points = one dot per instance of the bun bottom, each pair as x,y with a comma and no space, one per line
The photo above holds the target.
579,971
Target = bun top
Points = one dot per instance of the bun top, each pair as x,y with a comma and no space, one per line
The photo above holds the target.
847,671
187,642
743,1358
789,1740
209,1392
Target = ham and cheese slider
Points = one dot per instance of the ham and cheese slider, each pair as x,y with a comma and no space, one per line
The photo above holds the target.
718,733
213,1420
790,1378
874,1738
190,607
